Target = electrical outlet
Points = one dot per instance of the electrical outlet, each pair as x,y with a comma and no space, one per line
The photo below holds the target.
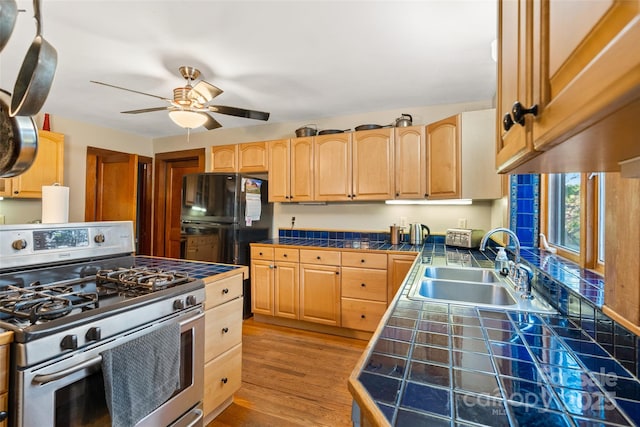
293,221
462,222
403,221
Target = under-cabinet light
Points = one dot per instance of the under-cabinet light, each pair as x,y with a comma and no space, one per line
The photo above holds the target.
429,202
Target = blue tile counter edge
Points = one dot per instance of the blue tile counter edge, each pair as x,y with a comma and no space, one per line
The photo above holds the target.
195,269
434,363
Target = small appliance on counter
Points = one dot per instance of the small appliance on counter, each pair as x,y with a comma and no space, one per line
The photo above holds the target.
395,234
464,237
417,233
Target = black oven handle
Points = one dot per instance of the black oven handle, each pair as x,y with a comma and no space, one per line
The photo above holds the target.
47,378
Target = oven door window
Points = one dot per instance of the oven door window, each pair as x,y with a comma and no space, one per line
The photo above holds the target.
83,403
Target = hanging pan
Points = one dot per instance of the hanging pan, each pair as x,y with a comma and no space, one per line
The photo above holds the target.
36,73
8,15
18,140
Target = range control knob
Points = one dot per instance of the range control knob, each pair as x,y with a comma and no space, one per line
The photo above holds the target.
19,244
93,334
69,342
191,300
99,238
178,304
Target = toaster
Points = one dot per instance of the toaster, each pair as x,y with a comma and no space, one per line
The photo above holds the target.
464,237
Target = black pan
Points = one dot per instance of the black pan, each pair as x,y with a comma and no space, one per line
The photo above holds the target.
36,73
18,140
331,131
370,127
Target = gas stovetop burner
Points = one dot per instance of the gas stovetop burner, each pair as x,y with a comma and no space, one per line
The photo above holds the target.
41,303
138,280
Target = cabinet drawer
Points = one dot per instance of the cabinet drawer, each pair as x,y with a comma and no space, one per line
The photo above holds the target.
364,283
286,254
310,256
262,252
222,378
364,259
223,328
362,315
221,291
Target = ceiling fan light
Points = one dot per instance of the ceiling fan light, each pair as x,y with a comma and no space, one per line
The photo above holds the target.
187,119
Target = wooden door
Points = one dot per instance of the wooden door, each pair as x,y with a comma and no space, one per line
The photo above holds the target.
332,167
444,158
320,294
286,290
373,171
410,160
262,278
301,164
279,171
398,267
515,49
169,170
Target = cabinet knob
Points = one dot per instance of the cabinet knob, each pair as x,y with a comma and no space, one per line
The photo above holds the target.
225,291
318,257
363,284
362,316
518,112
362,261
225,330
337,272
224,380
397,194
284,255
426,195
260,253
507,122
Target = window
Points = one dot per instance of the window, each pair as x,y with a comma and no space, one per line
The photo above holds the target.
572,216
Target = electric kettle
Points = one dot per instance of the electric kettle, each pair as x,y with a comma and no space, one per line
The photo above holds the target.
416,233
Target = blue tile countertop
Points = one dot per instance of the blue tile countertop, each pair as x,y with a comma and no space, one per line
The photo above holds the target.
347,243
438,364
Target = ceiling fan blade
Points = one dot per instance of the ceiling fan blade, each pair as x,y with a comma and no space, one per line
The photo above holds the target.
211,123
239,112
204,92
130,90
144,110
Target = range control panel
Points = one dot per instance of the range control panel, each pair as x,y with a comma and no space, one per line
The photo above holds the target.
25,245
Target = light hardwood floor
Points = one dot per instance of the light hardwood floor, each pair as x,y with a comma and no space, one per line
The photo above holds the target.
292,377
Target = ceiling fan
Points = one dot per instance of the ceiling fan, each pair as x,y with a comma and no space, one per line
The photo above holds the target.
190,106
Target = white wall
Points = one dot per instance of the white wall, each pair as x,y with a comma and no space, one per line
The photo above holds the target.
77,137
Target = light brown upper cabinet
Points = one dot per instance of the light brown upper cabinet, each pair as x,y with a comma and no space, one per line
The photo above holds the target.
291,170
354,166
244,158
581,75
47,169
410,162
460,157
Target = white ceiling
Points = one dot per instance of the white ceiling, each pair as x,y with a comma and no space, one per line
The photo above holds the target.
299,60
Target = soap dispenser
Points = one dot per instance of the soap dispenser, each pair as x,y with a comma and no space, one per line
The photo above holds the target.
501,264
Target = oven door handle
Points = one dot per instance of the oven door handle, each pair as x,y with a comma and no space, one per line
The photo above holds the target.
47,378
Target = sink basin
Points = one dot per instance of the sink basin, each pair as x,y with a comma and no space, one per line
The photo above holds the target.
462,274
465,292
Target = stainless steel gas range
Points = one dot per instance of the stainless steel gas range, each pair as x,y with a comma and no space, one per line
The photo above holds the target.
85,311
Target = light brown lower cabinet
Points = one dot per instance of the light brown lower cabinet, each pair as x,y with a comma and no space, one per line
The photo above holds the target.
222,344
5,340
320,294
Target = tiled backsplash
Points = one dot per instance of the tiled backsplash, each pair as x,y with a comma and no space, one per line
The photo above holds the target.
524,209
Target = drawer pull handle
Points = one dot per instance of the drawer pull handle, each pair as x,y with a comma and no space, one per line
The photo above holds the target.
224,380
225,330
260,253
318,257
225,291
363,284
362,261
337,272
362,316
284,255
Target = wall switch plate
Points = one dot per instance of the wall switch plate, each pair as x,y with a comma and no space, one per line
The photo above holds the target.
403,221
462,222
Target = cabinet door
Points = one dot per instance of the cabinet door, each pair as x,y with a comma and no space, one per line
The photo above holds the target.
279,171
514,59
373,165
332,167
5,187
287,290
222,378
320,294
224,158
301,162
397,269
410,160
443,154
47,168
588,64
262,287
252,157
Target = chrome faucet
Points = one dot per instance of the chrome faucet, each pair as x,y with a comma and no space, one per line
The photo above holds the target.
519,273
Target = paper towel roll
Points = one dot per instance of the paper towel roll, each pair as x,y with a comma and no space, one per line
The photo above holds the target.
55,204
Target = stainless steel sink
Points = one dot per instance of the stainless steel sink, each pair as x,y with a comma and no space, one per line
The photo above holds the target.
462,274
467,292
